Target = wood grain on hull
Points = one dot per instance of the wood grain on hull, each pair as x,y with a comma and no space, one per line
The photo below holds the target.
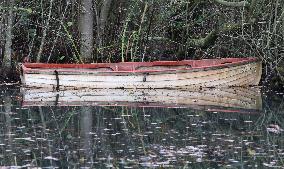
233,75
232,98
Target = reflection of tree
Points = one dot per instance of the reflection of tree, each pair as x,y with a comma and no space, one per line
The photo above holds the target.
86,122
8,139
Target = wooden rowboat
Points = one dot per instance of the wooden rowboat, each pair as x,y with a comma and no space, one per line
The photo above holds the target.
235,99
160,74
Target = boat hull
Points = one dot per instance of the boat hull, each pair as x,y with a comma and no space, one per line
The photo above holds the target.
244,73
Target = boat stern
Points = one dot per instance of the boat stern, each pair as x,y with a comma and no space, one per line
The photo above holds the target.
258,73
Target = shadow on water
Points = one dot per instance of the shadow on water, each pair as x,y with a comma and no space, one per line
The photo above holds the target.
209,129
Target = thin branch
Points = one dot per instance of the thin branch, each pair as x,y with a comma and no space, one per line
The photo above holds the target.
139,30
44,33
58,31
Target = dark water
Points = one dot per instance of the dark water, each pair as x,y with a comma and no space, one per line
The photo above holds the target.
139,137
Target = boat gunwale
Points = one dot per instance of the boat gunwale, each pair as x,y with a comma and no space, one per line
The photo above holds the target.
77,68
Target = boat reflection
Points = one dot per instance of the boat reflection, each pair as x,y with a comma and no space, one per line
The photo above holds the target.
207,99
74,129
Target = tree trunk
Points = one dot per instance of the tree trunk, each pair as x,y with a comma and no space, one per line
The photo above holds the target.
8,45
102,20
86,24
2,29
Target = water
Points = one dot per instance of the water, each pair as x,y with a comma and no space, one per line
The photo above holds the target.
48,132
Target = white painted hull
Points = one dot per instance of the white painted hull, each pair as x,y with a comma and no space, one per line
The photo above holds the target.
234,75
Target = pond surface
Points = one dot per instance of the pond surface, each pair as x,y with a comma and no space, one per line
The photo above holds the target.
34,132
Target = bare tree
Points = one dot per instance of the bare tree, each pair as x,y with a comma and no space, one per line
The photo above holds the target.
8,45
2,29
86,23
102,17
